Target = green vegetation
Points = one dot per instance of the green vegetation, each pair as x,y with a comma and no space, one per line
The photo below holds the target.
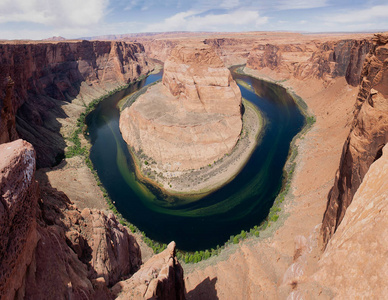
76,150
189,257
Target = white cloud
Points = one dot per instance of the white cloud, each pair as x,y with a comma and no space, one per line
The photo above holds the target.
132,4
360,16
55,13
299,4
195,21
228,4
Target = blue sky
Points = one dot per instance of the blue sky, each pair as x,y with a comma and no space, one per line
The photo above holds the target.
37,19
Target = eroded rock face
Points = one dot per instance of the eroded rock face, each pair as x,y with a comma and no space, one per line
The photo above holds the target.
79,252
49,247
46,75
367,137
354,263
115,253
7,115
161,277
18,206
313,60
193,118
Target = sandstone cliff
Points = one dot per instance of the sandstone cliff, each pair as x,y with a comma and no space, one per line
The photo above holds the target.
193,118
313,59
51,250
232,51
160,278
18,226
368,135
47,246
354,264
48,75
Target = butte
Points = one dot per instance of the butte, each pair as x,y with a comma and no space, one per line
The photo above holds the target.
192,118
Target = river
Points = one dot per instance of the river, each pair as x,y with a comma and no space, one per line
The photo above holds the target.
211,220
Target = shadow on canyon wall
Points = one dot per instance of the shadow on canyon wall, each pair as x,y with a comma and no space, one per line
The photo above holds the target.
206,290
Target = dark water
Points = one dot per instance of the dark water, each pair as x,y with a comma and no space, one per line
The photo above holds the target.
210,221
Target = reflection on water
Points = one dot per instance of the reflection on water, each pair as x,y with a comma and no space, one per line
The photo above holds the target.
208,222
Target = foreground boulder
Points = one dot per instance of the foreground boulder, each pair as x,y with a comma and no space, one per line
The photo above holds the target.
47,246
159,278
18,227
191,119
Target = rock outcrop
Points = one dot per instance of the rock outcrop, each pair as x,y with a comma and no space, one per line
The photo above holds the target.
368,135
313,59
232,51
161,277
47,75
193,118
7,114
354,264
49,247
18,227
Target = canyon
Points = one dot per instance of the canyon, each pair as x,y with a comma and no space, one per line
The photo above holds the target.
192,118
189,122
329,240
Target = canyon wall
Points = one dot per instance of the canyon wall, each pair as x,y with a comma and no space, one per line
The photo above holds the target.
50,249
159,278
313,59
38,78
18,207
191,119
232,51
354,263
368,135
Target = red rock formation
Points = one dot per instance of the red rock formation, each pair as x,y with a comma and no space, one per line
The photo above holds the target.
78,253
19,196
47,73
232,51
367,137
47,246
354,263
161,277
7,114
313,60
159,49
193,118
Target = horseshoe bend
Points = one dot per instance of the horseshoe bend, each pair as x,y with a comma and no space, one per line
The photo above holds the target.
282,135
190,120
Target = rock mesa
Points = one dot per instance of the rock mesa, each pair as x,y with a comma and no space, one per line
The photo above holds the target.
191,119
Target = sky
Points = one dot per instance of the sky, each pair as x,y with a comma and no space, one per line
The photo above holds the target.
39,19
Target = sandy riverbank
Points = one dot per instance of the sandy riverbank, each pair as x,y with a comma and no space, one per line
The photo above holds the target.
196,183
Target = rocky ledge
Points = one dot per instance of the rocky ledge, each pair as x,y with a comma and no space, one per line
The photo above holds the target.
190,120
367,137
49,249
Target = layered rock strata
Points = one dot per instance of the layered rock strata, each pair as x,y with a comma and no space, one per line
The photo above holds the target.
46,76
368,135
191,119
47,246
354,263
161,277
50,249
313,59
7,114
18,207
